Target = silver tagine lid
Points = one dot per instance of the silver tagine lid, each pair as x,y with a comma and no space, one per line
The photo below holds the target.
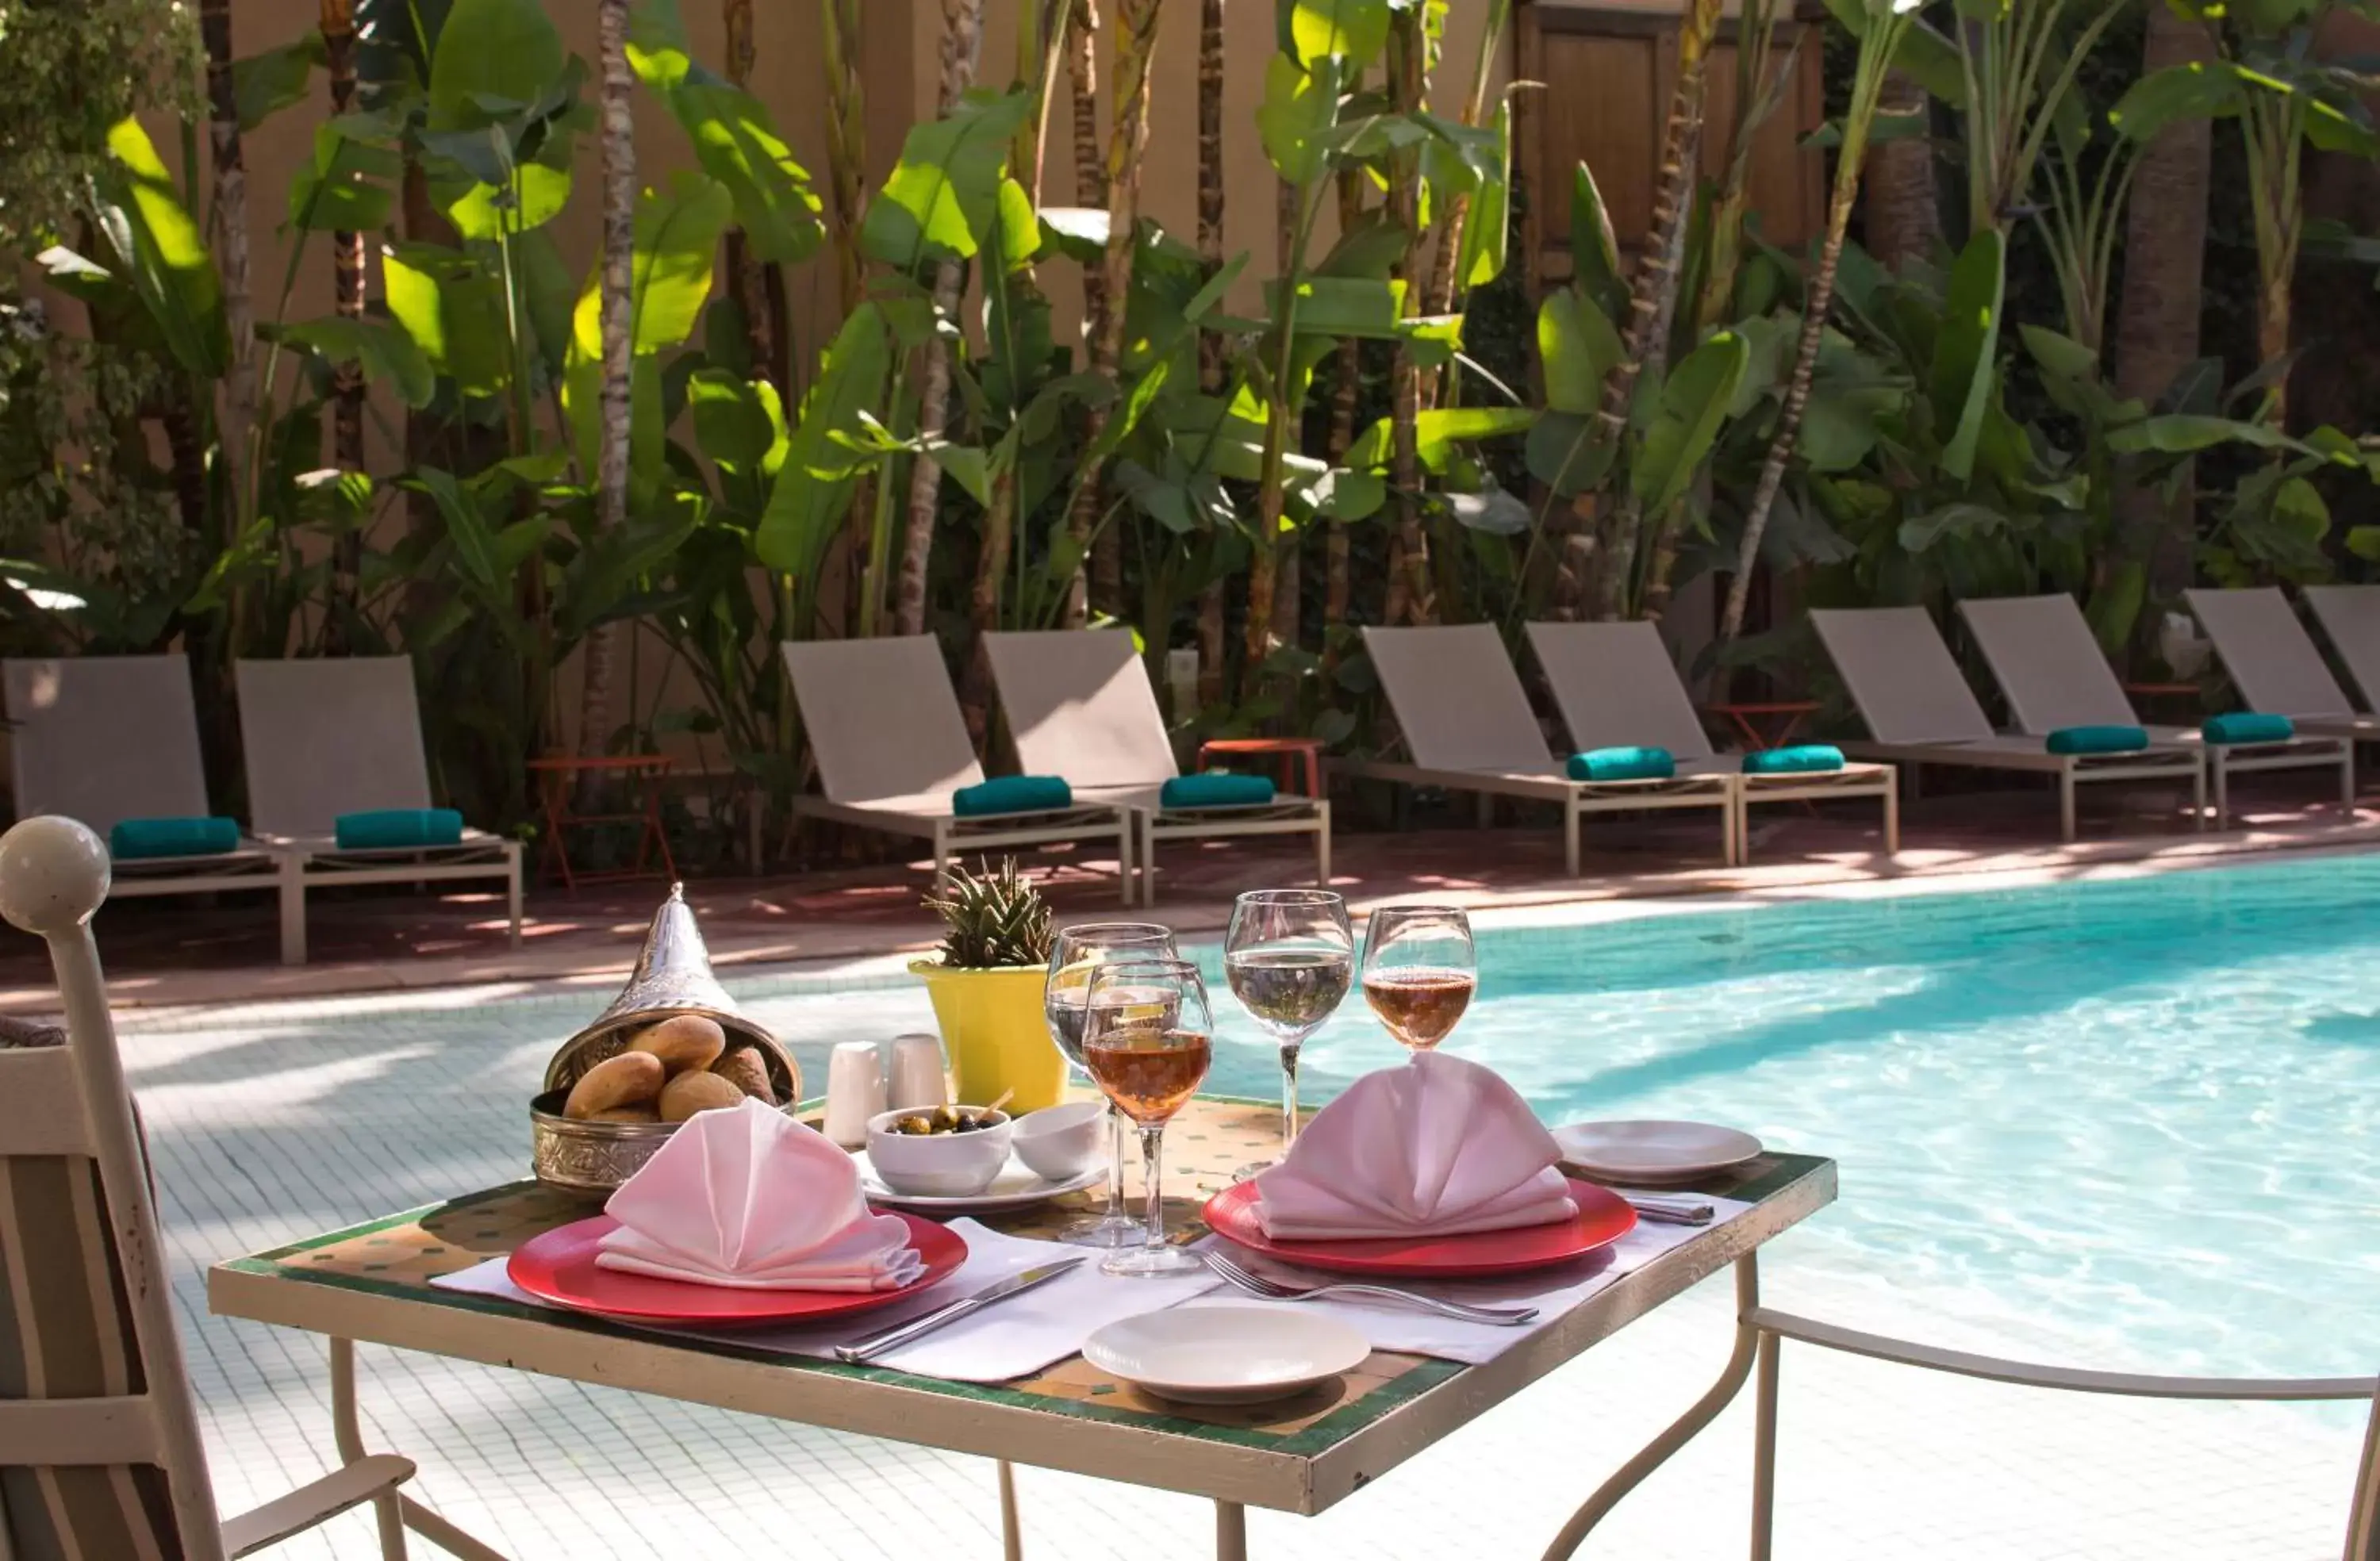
672,976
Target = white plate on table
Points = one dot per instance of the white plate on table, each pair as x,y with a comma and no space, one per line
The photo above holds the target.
1017,1186
1653,1152
1226,1354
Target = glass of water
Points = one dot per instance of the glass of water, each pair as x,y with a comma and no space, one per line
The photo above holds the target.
1290,957
1065,1004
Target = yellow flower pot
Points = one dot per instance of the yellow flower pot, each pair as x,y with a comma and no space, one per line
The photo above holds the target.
993,1029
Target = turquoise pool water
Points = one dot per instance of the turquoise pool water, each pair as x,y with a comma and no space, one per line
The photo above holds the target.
2131,1124
2130,1121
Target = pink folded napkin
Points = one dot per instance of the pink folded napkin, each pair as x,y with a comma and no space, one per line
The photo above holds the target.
1436,1147
750,1199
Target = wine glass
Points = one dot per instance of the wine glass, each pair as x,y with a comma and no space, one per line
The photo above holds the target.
1149,1039
1419,971
1072,954
1290,957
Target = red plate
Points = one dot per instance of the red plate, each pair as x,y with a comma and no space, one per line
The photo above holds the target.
559,1268
1602,1219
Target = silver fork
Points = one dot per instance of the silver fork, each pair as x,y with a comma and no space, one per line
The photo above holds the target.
1273,1289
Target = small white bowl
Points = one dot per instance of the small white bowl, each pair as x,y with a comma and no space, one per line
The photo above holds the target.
1060,1142
944,1165
1226,1354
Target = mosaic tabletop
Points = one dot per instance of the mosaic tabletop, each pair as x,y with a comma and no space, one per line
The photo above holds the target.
395,1258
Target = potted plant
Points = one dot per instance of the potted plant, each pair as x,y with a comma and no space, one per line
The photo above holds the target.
987,982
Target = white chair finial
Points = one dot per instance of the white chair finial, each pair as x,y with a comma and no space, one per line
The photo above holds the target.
54,874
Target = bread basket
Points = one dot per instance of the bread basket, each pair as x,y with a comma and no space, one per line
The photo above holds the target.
672,976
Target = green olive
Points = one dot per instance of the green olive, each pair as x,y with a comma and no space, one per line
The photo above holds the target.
915,1127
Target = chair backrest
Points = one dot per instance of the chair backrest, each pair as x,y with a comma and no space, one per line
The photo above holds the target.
1080,705
1457,699
320,738
1900,674
99,1453
881,717
2350,616
106,738
2049,664
1617,687
2273,661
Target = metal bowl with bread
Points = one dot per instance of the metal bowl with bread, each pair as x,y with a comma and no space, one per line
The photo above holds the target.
686,1048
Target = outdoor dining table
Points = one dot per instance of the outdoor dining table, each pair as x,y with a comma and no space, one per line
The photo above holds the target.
370,1284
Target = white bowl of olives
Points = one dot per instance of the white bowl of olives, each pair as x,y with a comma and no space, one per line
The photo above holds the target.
952,1152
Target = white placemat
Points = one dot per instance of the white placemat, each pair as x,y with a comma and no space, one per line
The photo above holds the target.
1015,1338
1411,1329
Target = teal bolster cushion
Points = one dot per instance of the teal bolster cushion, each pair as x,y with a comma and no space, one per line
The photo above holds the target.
1013,793
2072,740
2247,726
1623,764
1217,788
398,828
1808,758
137,838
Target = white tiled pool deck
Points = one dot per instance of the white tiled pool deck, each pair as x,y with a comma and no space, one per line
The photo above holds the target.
273,1122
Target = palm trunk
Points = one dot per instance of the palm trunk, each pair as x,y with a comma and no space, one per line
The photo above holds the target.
2274,135
1127,147
1090,163
1598,578
619,260
1904,206
962,48
1757,95
2156,321
338,23
1408,90
229,223
846,141
1338,581
1445,286
748,283
1210,344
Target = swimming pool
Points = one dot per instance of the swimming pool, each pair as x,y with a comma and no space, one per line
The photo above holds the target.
2129,1123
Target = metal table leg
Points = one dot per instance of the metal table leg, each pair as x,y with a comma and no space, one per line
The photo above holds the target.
1012,1530
1683,1429
395,1511
1231,1531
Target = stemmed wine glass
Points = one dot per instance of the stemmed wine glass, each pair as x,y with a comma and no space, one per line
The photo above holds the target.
1072,955
1149,1039
1419,971
1290,957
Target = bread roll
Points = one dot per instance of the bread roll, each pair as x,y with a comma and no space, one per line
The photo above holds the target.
686,1043
633,1077
747,1071
690,1093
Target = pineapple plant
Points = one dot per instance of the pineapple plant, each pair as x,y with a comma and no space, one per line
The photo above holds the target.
992,921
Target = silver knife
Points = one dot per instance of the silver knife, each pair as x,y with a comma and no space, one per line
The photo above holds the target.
864,1351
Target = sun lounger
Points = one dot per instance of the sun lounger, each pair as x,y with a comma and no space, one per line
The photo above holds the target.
2275,665
2349,616
1080,707
1920,712
325,738
1465,725
892,748
1617,687
2051,667
104,739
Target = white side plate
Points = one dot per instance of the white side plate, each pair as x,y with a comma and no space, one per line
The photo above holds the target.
1017,1186
1646,1152
1226,1354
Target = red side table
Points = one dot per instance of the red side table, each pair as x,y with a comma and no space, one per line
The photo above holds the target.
1290,751
1765,723
557,779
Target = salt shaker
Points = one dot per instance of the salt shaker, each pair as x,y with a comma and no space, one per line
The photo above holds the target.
854,1092
918,1082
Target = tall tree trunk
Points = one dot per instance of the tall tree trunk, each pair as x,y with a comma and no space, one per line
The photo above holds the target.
749,283
1281,431
1408,92
1596,578
962,48
2156,321
229,221
1212,40
1127,148
843,24
595,704
1090,162
1338,581
1904,206
338,23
